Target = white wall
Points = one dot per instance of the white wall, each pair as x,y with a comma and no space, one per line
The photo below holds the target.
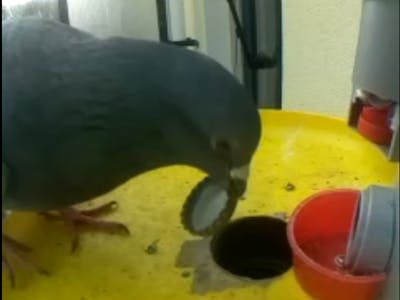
195,23
319,43
209,22
320,40
218,32
104,18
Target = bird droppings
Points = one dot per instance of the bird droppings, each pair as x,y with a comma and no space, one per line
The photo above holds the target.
152,248
185,274
290,187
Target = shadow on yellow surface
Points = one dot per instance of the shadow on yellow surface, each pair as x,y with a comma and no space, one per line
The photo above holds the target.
309,151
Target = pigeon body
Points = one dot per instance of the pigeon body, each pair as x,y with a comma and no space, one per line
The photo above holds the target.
81,115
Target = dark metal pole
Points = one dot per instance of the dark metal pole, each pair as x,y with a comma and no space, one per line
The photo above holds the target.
240,32
162,20
249,29
278,52
63,11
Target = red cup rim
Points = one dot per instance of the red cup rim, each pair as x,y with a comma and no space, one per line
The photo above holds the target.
310,262
383,108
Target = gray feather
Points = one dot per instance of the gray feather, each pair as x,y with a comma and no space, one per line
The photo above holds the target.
83,115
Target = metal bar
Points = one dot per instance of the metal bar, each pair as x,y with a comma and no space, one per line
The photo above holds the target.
249,73
162,20
240,32
63,11
278,53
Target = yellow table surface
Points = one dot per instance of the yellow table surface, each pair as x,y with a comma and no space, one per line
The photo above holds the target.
310,151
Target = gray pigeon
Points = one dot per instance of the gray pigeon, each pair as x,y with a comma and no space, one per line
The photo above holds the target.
82,115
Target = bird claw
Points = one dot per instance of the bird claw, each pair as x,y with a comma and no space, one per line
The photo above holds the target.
89,217
93,212
10,270
101,210
14,248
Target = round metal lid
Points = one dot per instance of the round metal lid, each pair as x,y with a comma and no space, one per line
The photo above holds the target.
208,207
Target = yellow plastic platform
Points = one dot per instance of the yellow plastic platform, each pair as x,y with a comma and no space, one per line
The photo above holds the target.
310,151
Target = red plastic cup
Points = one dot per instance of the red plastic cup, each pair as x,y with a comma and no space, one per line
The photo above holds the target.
377,134
376,115
318,233
373,124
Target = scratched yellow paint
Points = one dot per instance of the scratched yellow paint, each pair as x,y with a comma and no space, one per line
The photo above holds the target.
310,151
